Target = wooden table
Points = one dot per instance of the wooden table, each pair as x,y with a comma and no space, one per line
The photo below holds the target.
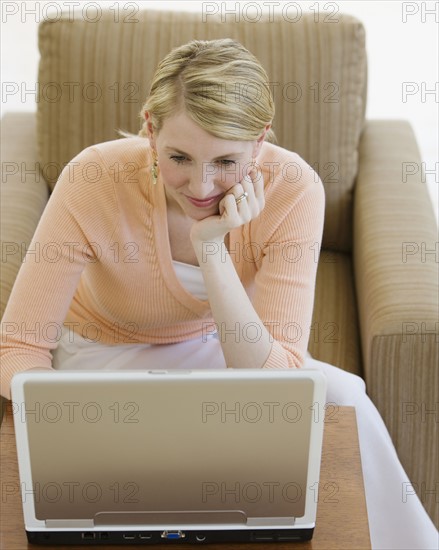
341,512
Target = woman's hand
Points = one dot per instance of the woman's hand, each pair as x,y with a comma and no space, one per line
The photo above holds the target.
229,303
243,202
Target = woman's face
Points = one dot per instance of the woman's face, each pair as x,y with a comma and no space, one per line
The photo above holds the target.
198,169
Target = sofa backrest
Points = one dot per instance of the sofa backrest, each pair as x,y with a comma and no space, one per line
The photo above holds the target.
94,77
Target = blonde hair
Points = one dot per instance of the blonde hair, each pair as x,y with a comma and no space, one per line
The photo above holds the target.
222,87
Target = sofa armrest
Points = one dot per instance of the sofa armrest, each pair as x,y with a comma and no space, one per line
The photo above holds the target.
395,258
24,194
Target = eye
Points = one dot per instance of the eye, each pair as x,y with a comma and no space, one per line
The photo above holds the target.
226,162
178,159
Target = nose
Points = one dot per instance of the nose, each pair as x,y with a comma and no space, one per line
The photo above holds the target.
202,182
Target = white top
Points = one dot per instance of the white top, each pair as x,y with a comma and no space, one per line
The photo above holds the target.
191,279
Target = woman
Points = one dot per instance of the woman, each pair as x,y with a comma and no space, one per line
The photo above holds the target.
203,239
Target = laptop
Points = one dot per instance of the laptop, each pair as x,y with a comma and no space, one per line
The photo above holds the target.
169,456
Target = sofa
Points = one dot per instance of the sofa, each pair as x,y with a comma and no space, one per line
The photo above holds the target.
376,301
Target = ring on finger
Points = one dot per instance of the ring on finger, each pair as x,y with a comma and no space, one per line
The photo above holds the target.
242,197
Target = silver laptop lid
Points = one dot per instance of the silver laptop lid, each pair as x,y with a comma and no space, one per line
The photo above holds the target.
154,447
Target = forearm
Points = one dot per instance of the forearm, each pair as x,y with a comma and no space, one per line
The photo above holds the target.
245,341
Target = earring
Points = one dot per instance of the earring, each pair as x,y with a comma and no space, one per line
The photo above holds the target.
154,168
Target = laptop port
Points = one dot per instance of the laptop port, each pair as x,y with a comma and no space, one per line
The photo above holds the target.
89,535
145,536
129,536
172,535
104,536
200,538
287,538
263,536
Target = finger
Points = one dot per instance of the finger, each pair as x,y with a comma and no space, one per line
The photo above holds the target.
252,186
246,207
235,190
229,207
255,192
234,193
258,182
243,199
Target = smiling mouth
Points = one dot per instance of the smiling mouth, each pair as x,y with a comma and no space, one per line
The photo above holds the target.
205,202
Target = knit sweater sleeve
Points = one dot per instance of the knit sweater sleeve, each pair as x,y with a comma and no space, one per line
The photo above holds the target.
76,220
289,234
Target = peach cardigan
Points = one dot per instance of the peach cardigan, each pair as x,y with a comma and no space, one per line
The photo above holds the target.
100,261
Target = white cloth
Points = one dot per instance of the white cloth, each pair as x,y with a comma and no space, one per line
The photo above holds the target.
191,279
397,520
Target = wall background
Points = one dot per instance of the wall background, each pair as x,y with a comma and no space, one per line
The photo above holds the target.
402,46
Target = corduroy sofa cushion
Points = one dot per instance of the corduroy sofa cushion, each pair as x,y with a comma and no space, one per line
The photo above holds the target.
24,195
334,336
94,78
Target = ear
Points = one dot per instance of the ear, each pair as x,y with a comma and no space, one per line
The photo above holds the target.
150,129
260,141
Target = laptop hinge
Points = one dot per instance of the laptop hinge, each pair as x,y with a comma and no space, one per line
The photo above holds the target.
67,523
270,522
